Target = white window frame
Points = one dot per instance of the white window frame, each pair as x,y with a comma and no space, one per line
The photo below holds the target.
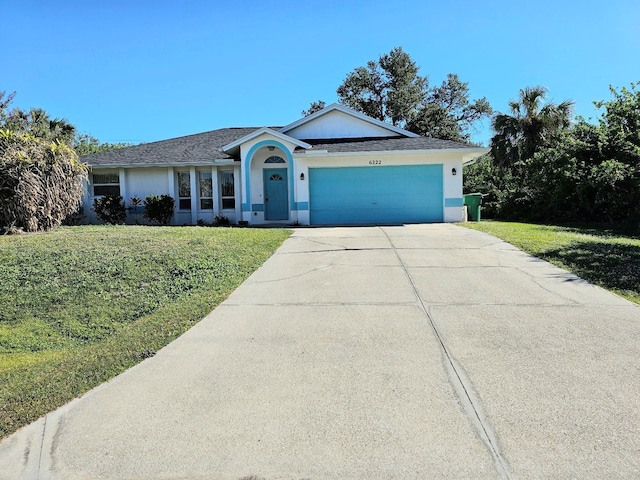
200,197
181,198
221,173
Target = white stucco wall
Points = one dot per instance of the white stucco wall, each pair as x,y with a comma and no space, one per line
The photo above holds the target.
141,182
336,124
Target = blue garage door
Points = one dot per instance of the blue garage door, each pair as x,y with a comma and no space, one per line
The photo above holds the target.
379,195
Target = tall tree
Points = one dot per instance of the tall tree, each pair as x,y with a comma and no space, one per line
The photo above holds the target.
314,107
447,112
531,126
391,89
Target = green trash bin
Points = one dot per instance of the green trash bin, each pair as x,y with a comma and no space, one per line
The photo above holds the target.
473,202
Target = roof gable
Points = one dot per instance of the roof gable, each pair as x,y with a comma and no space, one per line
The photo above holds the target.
230,147
338,121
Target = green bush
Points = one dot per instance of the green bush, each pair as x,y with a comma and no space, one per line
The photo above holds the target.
40,182
110,209
221,221
159,208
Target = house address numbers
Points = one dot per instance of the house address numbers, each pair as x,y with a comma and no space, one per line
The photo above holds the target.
375,162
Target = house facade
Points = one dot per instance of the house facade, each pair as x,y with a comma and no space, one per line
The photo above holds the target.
334,167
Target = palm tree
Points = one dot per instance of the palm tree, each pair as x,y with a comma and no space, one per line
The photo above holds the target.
531,126
38,122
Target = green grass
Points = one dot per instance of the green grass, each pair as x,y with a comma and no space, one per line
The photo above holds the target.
82,304
602,257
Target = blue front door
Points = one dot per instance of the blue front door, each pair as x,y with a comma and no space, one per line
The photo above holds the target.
275,194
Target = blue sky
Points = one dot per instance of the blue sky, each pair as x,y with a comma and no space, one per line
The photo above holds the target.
139,71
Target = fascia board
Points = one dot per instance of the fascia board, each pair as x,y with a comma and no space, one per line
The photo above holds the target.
162,165
439,151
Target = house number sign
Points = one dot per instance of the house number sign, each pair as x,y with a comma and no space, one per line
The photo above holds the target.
375,162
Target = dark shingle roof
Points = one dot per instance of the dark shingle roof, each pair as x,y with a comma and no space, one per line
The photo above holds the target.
204,148
382,144
192,149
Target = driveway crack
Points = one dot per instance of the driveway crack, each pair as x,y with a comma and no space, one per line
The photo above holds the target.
461,384
44,432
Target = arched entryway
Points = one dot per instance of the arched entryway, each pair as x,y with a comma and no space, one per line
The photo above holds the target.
268,173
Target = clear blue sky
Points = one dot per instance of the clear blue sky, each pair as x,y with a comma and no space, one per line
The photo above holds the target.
139,71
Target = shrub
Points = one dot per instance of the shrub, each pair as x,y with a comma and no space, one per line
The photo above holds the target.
75,218
110,209
221,221
159,209
134,203
40,182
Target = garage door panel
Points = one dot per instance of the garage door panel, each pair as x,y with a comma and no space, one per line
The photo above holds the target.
385,194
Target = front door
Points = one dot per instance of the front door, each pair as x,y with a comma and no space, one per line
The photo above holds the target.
275,194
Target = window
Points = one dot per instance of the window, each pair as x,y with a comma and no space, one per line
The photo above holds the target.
227,190
106,184
274,159
206,190
184,191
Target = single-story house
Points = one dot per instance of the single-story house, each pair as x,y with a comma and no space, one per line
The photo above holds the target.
333,167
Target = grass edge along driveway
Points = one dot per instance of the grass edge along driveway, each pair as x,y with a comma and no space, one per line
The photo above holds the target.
602,257
80,305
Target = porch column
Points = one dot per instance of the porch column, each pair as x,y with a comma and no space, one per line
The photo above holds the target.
237,190
171,178
194,195
215,192
122,178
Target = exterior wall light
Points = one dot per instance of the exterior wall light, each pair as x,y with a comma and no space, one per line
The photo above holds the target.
271,148
302,176
454,171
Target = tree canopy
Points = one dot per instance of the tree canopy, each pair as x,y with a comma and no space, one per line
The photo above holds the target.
314,107
542,167
391,89
38,123
531,125
85,144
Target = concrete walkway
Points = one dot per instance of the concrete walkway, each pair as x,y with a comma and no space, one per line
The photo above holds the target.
417,352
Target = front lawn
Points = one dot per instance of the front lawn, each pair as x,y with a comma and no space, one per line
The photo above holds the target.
602,257
82,304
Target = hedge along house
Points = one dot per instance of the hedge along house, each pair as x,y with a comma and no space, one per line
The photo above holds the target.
333,167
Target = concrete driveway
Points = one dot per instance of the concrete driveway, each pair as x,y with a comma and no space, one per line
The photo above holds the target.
416,352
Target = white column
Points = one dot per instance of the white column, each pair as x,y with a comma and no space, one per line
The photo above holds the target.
237,191
122,178
215,184
194,195
171,177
